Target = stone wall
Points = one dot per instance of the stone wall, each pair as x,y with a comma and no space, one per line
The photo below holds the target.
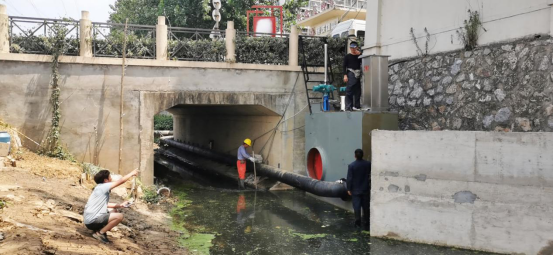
500,87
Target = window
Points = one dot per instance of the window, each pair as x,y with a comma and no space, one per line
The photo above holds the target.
360,34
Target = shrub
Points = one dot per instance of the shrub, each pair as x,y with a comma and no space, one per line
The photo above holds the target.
163,122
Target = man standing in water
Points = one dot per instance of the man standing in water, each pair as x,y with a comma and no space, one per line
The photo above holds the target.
241,163
359,188
352,77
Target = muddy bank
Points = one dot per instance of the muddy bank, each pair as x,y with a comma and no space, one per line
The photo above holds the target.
43,215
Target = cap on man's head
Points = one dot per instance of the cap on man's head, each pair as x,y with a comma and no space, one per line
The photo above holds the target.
353,45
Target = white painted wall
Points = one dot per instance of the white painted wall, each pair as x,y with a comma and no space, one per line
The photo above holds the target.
417,174
503,20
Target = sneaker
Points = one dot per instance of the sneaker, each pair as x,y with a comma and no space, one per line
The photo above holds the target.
102,237
356,109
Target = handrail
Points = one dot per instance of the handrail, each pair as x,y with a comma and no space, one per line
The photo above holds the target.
107,24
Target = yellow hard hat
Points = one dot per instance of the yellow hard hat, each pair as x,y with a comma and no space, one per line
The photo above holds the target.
248,142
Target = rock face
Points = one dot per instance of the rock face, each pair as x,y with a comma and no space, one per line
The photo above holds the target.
496,88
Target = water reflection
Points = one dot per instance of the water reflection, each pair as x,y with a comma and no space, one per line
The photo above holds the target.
285,222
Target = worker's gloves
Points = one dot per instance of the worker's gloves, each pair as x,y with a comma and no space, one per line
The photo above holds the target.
255,159
258,158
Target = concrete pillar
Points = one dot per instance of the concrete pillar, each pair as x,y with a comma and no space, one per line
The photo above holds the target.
161,39
230,42
293,48
4,30
373,28
85,35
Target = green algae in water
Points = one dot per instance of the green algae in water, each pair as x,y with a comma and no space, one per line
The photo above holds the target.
307,237
197,243
352,240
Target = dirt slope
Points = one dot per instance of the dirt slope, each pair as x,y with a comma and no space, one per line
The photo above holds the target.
44,215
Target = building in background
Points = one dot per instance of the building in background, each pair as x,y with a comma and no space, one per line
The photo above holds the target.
389,24
320,17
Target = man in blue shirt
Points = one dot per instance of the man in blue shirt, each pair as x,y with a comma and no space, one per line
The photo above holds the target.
241,162
359,187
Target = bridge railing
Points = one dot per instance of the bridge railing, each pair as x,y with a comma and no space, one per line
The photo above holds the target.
108,40
160,42
35,35
192,44
262,48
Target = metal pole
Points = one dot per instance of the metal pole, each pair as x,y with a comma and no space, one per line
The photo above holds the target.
121,97
254,171
326,61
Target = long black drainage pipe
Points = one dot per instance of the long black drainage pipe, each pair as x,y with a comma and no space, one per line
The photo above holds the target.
317,187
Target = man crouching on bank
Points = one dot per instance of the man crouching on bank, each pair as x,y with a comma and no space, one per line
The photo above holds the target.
97,217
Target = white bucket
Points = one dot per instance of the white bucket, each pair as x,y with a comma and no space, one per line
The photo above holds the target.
343,103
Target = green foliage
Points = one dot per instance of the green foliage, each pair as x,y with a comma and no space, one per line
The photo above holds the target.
150,195
3,204
40,45
469,34
56,35
90,169
291,10
56,46
197,50
183,13
161,8
139,45
337,49
163,122
262,50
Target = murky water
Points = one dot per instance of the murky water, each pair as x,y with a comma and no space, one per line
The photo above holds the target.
226,221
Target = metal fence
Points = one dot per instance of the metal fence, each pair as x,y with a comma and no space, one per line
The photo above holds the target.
108,39
262,48
35,35
191,44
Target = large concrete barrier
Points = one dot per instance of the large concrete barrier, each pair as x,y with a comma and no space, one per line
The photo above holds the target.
477,190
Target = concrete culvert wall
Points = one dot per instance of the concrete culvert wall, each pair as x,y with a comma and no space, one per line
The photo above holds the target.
477,190
224,128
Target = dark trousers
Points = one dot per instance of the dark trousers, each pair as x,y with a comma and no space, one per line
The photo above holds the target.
361,201
353,92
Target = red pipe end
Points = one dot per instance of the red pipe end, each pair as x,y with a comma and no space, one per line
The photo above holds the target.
315,164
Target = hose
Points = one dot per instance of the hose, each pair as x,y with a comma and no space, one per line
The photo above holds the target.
308,184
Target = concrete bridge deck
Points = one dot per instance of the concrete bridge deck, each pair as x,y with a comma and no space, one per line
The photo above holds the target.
222,102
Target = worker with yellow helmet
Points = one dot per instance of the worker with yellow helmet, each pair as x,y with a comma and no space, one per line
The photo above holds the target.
241,163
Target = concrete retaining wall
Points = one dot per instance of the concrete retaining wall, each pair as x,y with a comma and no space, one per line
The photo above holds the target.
478,190
90,101
389,23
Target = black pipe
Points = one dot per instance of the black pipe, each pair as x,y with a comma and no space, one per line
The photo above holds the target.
313,186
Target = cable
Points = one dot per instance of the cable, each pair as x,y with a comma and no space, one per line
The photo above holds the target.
280,121
296,113
36,9
13,7
63,4
292,93
484,22
77,6
294,129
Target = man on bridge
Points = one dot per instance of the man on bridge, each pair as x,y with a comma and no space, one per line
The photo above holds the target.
241,163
